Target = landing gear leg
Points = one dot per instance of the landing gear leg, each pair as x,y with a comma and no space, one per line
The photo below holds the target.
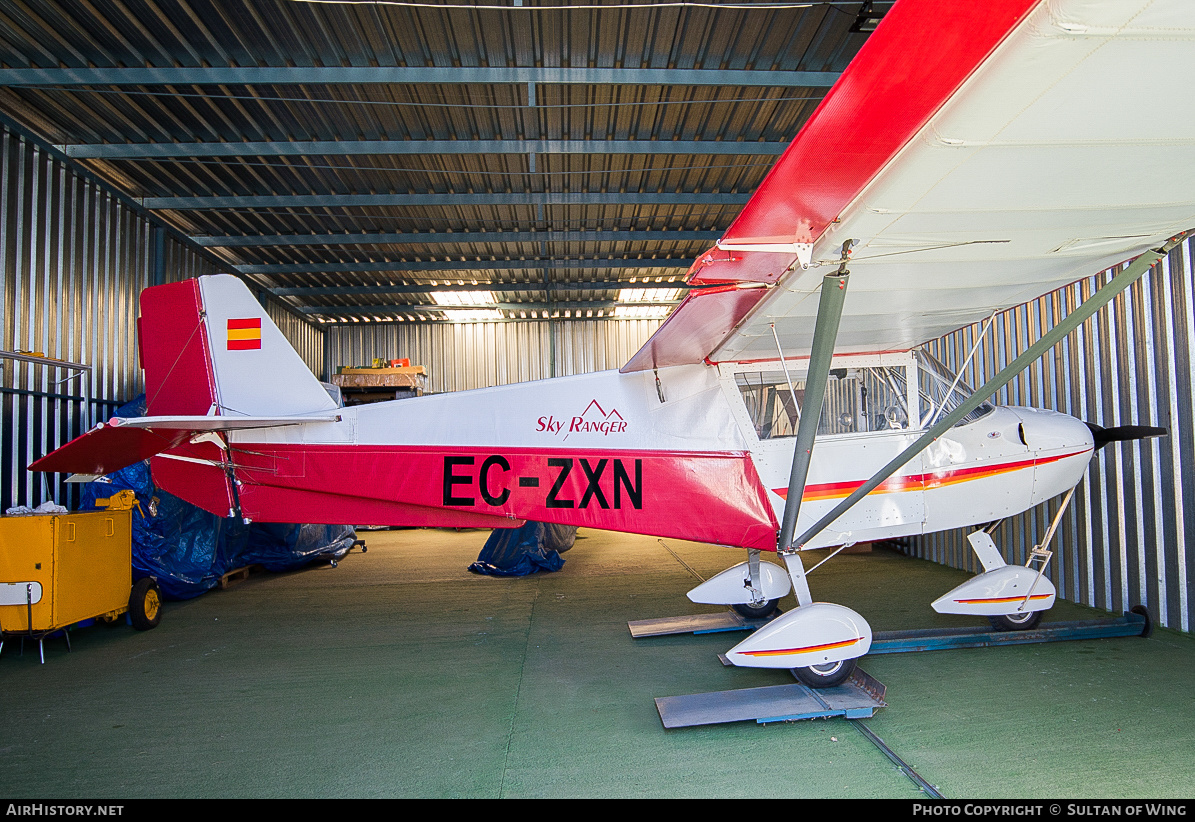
819,641
760,607
751,588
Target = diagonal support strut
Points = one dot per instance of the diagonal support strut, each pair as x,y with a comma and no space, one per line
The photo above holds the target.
825,332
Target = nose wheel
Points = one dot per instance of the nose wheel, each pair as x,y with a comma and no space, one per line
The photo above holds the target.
1016,622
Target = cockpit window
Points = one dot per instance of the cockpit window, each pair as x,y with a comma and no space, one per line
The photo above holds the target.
934,382
857,400
770,403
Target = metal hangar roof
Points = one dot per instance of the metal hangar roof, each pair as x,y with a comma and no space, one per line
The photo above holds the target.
414,161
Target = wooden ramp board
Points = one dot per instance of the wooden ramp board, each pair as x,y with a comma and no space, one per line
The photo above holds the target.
857,698
695,624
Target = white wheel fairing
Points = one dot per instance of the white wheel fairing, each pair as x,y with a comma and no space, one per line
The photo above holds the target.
999,592
728,588
818,634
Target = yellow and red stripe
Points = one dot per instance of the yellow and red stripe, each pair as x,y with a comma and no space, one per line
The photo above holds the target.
920,482
999,600
806,650
244,334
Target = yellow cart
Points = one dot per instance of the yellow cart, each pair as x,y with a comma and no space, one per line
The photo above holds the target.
57,570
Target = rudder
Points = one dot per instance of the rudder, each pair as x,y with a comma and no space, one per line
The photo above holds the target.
175,353
207,346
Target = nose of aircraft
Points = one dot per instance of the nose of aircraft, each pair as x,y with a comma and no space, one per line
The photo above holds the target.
1061,446
1045,430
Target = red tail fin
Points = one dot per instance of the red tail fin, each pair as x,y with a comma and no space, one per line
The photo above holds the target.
179,378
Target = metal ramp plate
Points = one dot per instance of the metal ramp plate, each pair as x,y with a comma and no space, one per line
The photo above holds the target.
1135,623
694,624
857,698
861,694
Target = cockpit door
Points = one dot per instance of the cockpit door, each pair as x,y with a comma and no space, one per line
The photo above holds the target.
869,416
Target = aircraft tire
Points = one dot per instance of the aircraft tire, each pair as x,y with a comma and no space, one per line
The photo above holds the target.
764,611
825,676
145,604
1016,622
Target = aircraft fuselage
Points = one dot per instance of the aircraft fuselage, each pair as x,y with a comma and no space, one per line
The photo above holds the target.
698,452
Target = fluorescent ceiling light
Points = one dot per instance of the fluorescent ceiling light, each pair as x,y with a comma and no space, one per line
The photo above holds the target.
463,297
648,295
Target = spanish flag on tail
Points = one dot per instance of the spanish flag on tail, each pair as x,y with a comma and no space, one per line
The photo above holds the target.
244,334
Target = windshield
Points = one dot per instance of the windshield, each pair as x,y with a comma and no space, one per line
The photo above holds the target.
938,399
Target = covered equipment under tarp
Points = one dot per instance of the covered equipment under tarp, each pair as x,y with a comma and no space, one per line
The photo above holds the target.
187,550
517,552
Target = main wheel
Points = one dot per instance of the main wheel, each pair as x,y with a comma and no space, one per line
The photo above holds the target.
756,611
1024,621
145,604
827,675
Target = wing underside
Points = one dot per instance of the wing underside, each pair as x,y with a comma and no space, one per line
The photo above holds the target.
980,155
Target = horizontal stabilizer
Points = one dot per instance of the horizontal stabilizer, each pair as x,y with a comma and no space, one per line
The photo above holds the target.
198,424
123,441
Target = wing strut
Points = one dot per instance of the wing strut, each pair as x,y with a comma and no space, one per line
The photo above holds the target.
1047,341
825,331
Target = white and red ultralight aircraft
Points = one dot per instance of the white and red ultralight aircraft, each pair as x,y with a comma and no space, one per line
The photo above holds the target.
971,157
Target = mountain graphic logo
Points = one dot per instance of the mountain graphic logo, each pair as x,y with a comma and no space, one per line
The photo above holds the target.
593,420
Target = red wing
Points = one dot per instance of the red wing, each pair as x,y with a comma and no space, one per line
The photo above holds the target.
980,155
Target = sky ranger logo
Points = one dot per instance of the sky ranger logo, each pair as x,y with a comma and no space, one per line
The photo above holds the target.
593,420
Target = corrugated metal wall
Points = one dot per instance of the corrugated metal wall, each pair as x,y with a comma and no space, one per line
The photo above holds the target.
459,356
1123,540
73,261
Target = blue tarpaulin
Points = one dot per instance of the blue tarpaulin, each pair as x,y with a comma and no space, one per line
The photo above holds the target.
187,550
517,552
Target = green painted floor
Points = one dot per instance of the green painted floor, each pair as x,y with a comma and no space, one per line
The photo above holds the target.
399,674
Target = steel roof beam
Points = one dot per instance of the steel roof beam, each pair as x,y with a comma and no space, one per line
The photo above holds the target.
165,151
457,265
579,305
372,75
348,322
438,238
488,199
358,290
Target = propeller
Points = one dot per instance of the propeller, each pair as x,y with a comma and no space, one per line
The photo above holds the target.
1123,433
